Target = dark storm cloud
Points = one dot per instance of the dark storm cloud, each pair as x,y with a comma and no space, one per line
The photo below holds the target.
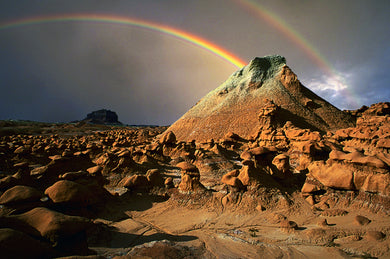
62,71
145,77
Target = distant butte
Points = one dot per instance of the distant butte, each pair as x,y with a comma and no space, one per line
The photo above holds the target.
102,116
264,92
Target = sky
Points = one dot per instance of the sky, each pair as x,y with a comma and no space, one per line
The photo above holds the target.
59,71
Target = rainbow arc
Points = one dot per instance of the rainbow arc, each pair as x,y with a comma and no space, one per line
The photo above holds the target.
103,18
295,37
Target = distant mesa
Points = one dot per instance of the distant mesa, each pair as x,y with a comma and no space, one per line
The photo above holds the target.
102,116
265,93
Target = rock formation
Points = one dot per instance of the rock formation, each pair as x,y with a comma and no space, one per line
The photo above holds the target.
263,94
264,162
102,117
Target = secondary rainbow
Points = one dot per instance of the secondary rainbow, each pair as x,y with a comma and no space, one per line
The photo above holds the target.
104,18
279,24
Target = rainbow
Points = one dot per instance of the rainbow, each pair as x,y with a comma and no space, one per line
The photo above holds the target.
280,25
104,18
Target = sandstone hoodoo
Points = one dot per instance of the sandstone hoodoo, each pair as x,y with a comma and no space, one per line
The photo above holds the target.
263,94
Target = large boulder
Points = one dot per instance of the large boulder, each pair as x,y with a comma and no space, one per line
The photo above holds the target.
137,182
63,231
48,224
16,244
20,194
168,138
155,178
335,175
71,193
350,177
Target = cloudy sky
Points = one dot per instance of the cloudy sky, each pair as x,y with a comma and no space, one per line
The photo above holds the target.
60,71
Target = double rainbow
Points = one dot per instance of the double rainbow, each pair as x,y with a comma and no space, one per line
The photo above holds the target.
168,30
252,6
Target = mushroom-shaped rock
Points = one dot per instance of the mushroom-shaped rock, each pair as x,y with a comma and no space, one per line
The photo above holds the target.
282,164
168,138
189,183
189,169
71,193
186,166
232,180
247,173
20,194
186,183
189,177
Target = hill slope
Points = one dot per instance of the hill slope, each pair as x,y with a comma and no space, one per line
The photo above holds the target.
235,105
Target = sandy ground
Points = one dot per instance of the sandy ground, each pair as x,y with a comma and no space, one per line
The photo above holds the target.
227,233
167,224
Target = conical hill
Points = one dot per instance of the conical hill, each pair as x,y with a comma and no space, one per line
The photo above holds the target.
235,105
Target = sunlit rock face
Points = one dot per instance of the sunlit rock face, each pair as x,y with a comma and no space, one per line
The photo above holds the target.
236,105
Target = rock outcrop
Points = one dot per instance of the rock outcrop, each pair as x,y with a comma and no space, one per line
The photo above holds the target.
102,117
189,177
262,95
